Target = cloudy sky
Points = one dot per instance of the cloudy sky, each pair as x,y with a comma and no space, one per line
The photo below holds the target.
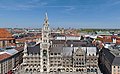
61,13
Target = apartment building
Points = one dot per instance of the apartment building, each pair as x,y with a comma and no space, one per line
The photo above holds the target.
6,38
10,59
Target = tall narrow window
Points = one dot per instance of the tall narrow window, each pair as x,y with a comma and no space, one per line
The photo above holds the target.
44,52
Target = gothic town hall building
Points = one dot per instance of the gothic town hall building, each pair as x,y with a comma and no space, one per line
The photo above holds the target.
50,55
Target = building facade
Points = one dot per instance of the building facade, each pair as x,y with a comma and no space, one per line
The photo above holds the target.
10,59
6,38
51,55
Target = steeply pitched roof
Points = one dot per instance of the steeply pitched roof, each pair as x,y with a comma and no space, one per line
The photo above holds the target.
91,50
67,51
116,61
56,49
34,49
76,43
110,56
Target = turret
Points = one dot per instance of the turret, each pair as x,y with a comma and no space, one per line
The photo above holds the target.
25,48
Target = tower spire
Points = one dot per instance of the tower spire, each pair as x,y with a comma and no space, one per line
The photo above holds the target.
46,16
45,45
46,23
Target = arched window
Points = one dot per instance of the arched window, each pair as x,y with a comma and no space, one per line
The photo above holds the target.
77,70
63,69
44,66
95,70
26,70
91,70
45,69
59,70
44,63
38,70
88,70
71,69
67,70
80,70
51,70
34,69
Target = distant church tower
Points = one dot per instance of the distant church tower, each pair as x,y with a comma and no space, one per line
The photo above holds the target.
45,46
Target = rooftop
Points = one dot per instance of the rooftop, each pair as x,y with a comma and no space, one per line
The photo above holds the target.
4,33
4,56
113,55
6,53
11,51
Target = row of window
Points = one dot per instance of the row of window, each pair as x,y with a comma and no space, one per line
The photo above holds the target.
33,61
91,70
55,54
79,63
55,64
58,70
80,55
55,61
34,70
55,45
117,67
32,58
56,58
80,59
92,59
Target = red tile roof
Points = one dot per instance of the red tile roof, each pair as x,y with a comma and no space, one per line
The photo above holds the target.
22,40
6,38
4,56
105,38
73,35
4,33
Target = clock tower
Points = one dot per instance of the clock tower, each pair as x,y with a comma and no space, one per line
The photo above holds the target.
45,46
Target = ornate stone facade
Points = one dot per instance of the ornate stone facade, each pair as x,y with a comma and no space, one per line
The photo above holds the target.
58,55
